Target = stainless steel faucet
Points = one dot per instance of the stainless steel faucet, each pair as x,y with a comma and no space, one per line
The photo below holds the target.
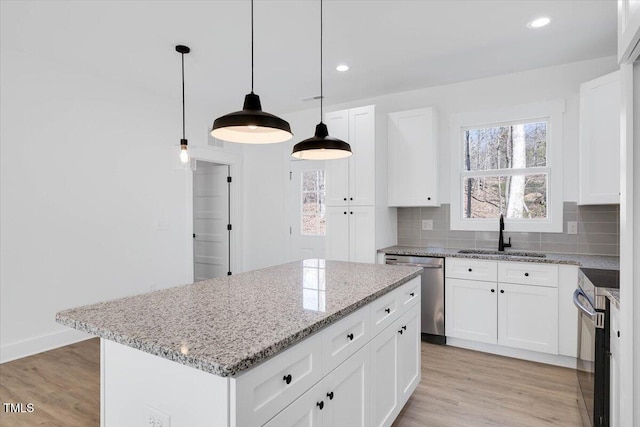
501,243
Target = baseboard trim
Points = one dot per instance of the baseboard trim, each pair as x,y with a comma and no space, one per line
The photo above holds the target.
533,356
37,345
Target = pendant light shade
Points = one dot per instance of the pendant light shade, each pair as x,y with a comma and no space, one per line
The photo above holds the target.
321,146
251,125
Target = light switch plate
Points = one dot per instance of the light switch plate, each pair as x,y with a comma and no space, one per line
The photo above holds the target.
156,418
572,227
427,224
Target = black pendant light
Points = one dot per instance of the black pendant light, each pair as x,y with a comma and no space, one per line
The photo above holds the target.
321,146
184,155
251,125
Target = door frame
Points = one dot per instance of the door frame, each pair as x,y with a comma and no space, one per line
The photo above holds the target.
234,161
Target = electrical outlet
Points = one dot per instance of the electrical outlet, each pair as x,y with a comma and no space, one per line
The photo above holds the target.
156,418
427,224
572,227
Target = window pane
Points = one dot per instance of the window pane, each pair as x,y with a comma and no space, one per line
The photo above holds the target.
313,203
518,196
520,145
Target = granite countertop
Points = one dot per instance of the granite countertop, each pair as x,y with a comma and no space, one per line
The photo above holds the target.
229,324
588,261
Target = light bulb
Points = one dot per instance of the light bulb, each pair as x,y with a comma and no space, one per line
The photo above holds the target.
184,156
252,127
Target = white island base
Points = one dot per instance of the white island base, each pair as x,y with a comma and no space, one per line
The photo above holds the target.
358,371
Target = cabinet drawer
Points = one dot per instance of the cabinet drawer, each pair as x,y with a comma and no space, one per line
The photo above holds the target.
384,311
528,273
408,294
268,388
462,268
344,338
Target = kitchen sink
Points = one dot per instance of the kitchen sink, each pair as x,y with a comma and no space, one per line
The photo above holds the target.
510,253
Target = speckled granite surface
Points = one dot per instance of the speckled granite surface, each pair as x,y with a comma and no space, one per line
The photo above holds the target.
614,296
226,325
589,261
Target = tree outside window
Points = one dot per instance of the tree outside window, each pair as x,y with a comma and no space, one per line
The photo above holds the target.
313,203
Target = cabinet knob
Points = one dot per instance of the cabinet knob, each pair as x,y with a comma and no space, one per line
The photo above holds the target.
351,213
428,198
350,336
618,333
493,290
400,331
470,270
388,310
502,291
345,213
345,199
287,379
412,294
526,274
404,328
320,405
330,395
350,198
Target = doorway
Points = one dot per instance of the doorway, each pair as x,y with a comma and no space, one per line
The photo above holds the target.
307,229
211,220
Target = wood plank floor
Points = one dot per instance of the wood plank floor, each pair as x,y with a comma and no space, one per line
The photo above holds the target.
459,388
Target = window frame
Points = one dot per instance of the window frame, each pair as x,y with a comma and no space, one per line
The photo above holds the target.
553,113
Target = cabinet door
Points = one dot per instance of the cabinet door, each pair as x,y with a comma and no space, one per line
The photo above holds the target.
528,317
599,150
409,350
412,157
614,368
337,178
303,412
384,381
362,231
337,237
470,310
362,165
347,392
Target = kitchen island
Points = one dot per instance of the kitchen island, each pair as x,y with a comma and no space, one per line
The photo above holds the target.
277,346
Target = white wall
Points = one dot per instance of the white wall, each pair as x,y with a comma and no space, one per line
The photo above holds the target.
89,170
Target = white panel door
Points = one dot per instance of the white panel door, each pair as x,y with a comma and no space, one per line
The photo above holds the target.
384,381
347,392
338,170
412,157
409,353
303,412
307,209
362,231
528,317
471,310
210,219
337,239
362,164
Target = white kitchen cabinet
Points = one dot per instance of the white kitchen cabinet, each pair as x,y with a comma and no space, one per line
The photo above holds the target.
351,233
628,30
528,317
413,158
599,146
384,383
305,411
470,310
409,351
614,367
351,181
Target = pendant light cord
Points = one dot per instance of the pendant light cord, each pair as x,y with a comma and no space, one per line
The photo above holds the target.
183,117
321,88
251,46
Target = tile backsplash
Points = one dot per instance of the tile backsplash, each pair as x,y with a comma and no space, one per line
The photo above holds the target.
598,232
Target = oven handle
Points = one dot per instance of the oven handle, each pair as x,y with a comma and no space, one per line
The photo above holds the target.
596,317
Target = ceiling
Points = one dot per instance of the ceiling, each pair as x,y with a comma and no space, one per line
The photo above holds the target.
390,46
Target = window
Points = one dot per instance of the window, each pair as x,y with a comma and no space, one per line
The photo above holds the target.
313,203
507,162
313,285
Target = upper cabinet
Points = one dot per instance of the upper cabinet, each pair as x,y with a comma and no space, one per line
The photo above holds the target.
628,30
413,158
351,181
599,148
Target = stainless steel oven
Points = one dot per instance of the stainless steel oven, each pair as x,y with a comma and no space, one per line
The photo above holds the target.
593,343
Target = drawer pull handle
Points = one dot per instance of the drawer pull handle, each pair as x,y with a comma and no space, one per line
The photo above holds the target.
502,291
412,294
526,274
320,404
330,395
400,331
618,333
388,310
287,378
350,336
470,270
493,290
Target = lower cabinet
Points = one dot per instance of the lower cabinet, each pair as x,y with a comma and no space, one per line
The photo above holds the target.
470,310
409,351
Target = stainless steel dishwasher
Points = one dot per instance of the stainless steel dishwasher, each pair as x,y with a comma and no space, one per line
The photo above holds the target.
432,290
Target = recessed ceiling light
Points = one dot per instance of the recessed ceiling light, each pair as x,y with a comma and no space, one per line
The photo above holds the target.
342,67
539,22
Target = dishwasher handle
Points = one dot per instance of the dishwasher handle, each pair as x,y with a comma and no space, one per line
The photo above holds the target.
410,264
596,317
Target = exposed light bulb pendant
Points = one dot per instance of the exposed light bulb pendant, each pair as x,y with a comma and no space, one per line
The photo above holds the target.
251,125
321,146
184,154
